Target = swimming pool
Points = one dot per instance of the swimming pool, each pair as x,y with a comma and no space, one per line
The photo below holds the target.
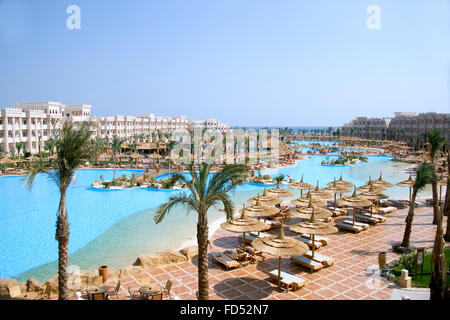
113,227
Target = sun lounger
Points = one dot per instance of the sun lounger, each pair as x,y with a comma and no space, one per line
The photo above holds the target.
307,263
226,260
376,216
386,210
323,240
348,226
366,218
396,203
338,212
326,261
261,234
309,242
287,280
333,204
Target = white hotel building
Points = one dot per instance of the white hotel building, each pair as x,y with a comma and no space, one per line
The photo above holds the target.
35,122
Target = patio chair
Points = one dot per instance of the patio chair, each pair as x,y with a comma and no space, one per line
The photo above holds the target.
135,295
157,296
366,218
386,210
99,296
309,242
307,263
115,292
166,289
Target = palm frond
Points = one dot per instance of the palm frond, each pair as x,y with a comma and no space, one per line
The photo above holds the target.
425,175
225,199
228,178
176,200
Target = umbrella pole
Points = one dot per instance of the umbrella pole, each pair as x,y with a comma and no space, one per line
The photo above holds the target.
354,208
279,272
313,247
243,242
334,204
410,195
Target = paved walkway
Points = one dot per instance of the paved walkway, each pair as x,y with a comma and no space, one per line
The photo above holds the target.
353,276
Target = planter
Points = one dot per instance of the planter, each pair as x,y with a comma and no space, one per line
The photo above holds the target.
381,259
103,271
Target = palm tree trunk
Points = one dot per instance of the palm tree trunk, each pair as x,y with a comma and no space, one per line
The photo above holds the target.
202,241
114,167
62,236
438,267
435,202
409,221
447,208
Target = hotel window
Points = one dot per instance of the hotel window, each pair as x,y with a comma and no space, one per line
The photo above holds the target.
44,122
24,122
1,121
24,134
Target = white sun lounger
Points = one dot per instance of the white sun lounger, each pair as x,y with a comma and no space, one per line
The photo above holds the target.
364,218
324,240
386,210
307,263
349,226
374,215
289,281
309,242
326,261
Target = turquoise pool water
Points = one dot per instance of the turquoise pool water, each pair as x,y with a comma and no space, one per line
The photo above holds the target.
113,227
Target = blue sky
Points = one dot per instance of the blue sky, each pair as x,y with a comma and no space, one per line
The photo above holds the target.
252,62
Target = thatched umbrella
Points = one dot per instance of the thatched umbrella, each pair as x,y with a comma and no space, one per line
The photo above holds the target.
354,201
301,186
280,246
382,182
371,185
313,227
259,210
136,157
306,199
244,224
265,199
373,194
342,182
6,160
320,193
335,189
407,183
278,192
306,212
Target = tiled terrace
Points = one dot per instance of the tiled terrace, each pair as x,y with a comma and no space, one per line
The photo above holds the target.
353,276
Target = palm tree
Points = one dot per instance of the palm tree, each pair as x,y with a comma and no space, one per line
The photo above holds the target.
279,178
98,144
436,141
447,201
2,151
50,145
116,146
438,263
72,147
202,195
20,146
425,175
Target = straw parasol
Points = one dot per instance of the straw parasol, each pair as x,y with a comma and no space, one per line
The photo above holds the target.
32,158
370,184
244,224
301,186
407,183
335,189
354,201
320,193
259,210
265,199
280,246
278,192
154,156
305,199
382,182
313,227
6,160
343,182
306,212
373,194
